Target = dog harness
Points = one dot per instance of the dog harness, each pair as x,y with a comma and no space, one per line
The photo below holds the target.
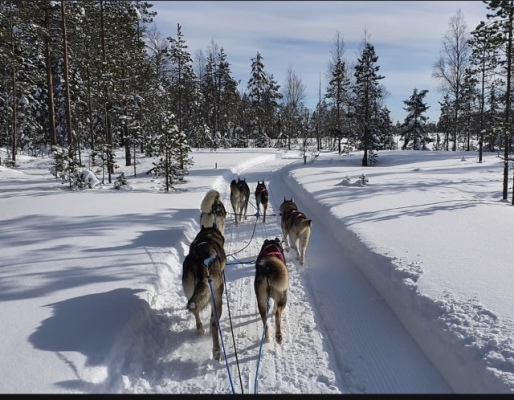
262,189
277,252
294,214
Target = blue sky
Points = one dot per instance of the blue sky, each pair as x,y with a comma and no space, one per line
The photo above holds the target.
407,36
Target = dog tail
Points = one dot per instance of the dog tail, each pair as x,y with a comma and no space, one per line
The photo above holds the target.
275,272
201,296
209,199
305,223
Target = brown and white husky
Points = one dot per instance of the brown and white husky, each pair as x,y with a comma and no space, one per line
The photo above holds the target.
296,227
271,280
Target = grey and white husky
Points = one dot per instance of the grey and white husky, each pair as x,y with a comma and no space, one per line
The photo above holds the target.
296,227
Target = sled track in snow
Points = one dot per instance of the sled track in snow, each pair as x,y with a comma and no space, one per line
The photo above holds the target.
278,364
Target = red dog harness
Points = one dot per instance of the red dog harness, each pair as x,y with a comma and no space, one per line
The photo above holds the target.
262,189
272,249
294,214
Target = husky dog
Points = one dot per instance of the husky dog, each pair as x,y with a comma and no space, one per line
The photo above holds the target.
271,280
297,226
239,197
261,197
202,267
213,211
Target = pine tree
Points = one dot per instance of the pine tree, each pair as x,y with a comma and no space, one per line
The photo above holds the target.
446,122
338,86
169,145
483,61
367,93
184,86
256,88
500,29
220,94
414,125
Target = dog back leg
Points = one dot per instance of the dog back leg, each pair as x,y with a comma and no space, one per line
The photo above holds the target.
280,305
304,242
262,295
198,302
218,296
258,206
285,235
294,243
221,224
265,208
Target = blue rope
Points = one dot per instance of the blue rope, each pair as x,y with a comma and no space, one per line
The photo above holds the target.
260,348
239,261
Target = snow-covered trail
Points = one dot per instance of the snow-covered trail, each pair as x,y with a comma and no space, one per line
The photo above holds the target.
294,366
365,346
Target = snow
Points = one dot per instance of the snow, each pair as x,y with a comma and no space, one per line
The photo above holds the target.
407,286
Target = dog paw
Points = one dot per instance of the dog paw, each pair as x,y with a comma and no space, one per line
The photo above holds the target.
216,353
278,337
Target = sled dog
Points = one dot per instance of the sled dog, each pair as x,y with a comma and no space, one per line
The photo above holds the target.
213,211
296,227
239,197
206,260
271,279
261,197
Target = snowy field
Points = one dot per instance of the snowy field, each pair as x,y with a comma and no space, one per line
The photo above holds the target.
406,286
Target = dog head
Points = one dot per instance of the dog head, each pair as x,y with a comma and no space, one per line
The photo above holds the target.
287,205
260,186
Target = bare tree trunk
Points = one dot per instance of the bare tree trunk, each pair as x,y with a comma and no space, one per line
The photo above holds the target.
110,166
14,100
66,76
50,83
507,109
14,113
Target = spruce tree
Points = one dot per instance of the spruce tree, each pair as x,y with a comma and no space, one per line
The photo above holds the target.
367,94
414,125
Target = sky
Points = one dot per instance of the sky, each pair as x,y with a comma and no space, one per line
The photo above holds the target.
407,36
407,285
